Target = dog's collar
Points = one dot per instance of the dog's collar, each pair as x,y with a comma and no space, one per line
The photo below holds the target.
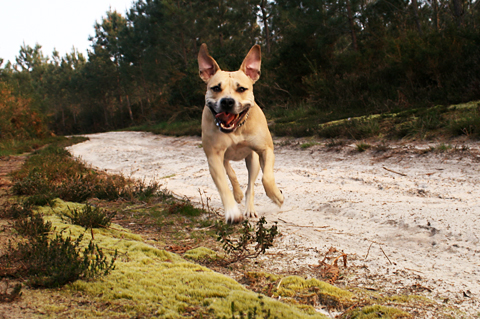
244,120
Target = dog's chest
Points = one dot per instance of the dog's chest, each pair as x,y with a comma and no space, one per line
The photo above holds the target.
237,152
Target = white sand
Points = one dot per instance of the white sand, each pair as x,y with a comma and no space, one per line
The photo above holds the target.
419,229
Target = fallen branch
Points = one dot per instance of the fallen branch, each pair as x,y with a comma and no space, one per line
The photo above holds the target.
387,169
386,255
368,251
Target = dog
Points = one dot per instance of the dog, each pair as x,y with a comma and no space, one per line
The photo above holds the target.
235,128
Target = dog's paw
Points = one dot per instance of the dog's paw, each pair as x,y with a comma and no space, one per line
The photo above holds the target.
238,195
281,200
233,215
278,198
250,213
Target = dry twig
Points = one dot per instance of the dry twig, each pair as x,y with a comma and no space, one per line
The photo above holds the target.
387,169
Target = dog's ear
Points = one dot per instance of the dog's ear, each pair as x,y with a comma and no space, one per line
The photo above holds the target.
206,64
251,64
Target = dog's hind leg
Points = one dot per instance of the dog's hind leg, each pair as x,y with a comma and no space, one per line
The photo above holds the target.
253,166
267,159
237,191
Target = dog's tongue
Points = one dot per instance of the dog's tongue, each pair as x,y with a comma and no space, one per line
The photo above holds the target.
225,117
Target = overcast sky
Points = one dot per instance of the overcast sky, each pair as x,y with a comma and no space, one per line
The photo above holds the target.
60,24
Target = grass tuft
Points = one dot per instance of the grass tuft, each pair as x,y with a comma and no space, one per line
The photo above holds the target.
362,147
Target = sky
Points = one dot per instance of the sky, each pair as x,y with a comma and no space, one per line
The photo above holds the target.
59,24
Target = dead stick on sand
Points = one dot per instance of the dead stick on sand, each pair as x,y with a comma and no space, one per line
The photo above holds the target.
306,226
386,255
387,169
368,251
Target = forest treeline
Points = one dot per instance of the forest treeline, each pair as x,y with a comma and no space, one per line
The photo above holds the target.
345,57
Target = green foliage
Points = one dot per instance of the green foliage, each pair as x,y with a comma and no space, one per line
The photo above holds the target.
239,247
252,313
53,262
16,210
466,122
33,227
184,208
362,147
89,217
52,172
375,311
323,61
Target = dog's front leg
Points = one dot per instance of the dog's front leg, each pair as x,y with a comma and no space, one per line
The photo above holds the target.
267,159
217,170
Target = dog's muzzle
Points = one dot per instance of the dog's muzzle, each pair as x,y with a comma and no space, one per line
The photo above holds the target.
229,122
226,121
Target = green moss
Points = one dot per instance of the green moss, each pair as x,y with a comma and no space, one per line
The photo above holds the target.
256,276
328,295
200,253
154,283
468,105
376,311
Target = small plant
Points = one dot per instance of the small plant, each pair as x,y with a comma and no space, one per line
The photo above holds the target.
381,148
335,143
252,313
33,226
252,241
9,296
55,262
16,210
184,208
308,145
442,148
51,262
362,147
89,217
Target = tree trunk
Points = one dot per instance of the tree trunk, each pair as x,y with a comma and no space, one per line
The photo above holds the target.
129,106
435,15
265,25
352,26
458,11
417,19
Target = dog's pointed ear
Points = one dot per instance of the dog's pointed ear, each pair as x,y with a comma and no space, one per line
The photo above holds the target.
251,64
206,64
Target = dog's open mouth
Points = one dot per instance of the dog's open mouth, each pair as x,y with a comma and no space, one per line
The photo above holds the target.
228,122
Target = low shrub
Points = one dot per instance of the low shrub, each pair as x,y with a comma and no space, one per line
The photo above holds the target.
51,262
89,217
53,173
251,241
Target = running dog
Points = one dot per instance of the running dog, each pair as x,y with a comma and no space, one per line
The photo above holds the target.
234,128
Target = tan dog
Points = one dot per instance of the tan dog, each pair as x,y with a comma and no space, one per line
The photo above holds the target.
235,128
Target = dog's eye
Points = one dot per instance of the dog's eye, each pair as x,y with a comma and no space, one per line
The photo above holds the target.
241,89
216,88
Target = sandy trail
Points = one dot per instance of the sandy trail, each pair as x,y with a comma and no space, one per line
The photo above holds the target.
419,229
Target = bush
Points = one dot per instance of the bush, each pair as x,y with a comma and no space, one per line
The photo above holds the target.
52,173
252,241
33,226
16,210
89,217
52,262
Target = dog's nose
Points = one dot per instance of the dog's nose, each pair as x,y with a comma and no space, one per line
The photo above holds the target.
227,103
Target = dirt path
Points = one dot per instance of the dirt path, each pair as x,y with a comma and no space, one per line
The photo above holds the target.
406,220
